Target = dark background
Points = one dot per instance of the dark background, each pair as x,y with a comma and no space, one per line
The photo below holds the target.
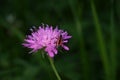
94,46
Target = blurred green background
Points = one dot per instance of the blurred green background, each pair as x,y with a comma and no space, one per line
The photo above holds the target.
94,46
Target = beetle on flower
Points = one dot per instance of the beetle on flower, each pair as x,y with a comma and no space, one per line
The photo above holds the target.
48,38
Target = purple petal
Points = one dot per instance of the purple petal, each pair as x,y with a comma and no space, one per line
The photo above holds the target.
29,36
34,50
55,51
26,45
29,41
56,29
51,54
64,33
65,41
67,37
65,47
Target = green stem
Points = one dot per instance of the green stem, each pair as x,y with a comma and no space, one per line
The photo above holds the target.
101,43
113,44
83,54
54,69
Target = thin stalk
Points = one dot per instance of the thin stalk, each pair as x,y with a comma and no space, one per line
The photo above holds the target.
83,53
113,45
43,62
54,69
101,43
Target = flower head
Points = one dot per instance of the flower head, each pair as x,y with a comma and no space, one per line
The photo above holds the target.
48,38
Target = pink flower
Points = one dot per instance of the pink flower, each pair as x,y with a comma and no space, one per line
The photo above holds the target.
47,38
